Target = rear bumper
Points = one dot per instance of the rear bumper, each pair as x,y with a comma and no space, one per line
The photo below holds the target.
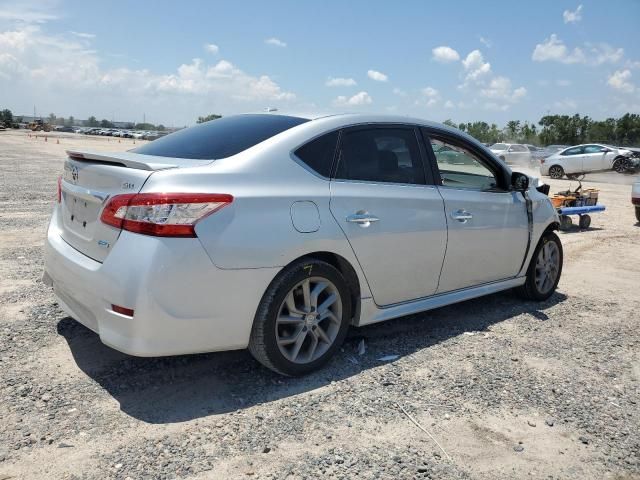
182,302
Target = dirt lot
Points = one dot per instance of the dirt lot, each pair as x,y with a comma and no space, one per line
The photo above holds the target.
508,388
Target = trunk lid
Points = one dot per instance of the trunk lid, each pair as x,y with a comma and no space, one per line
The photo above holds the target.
89,180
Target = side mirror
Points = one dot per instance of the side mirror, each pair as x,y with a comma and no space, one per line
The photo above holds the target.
605,150
519,181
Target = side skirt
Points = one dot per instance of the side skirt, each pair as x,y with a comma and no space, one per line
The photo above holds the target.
372,313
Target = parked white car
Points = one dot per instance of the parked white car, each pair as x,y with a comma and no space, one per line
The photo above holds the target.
277,233
512,153
592,157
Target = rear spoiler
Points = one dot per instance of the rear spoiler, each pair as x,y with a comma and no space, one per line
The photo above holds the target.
135,160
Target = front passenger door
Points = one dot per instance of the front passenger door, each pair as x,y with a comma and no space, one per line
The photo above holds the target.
593,158
487,223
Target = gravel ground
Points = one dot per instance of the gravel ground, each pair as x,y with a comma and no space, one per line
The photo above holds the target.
500,387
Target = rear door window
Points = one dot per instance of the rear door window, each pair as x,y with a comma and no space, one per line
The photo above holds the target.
220,138
381,155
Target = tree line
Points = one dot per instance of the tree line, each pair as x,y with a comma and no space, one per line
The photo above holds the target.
558,130
550,130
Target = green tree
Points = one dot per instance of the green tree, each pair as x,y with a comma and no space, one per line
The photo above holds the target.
161,128
91,122
213,116
104,123
6,117
512,129
70,121
628,129
448,122
145,126
52,119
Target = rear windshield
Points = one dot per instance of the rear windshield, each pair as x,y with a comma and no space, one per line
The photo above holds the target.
220,138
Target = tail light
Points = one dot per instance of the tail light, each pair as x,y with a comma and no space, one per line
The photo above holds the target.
59,189
162,214
542,160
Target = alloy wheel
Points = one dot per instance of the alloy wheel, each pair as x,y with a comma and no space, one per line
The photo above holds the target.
556,172
547,267
309,320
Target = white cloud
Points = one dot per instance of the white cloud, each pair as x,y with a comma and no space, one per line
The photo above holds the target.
399,92
563,83
499,88
449,104
621,80
62,75
211,48
572,17
445,54
475,66
28,11
87,36
377,76
486,42
360,98
275,42
554,50
430,95
430,92
632,64
340,82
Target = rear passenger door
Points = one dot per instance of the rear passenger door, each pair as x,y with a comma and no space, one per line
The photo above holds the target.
487,222
390,211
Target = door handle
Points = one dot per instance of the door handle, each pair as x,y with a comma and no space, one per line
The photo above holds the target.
461,215
363,219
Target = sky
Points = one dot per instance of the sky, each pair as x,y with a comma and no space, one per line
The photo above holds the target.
170,62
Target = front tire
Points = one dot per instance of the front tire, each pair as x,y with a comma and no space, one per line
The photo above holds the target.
302,319
556,171
544,270
620,165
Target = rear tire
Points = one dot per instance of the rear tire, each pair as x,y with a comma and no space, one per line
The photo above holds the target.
638,214
544,270
293,333
556,171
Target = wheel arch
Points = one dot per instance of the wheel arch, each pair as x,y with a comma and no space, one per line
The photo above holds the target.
348,272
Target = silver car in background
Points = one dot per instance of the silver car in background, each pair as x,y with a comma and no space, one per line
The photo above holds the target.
515,154
277,233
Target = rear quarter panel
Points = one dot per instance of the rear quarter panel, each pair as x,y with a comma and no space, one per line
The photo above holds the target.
256,230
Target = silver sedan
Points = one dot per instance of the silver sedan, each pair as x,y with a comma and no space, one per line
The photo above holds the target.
277,233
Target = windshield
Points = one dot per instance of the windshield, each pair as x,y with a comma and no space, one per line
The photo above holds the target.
499,146
220,138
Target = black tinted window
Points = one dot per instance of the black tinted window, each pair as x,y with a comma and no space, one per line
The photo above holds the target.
389,155
220,138
318,154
